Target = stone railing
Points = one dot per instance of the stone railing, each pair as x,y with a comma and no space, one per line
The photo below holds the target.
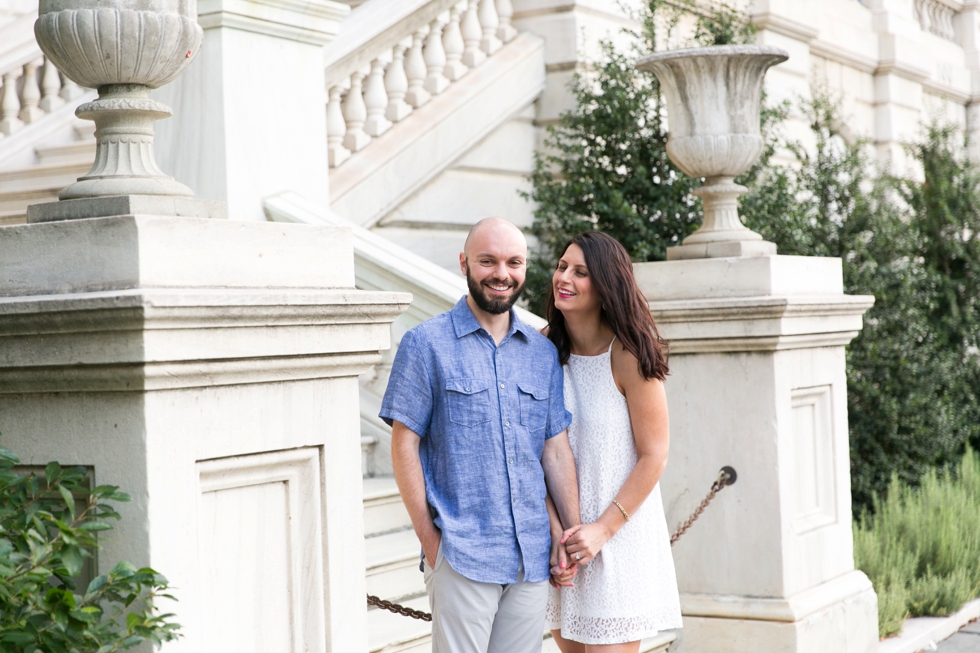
393,56
30,91
30,86
936,17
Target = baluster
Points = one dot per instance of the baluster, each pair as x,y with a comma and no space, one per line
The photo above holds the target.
416,71
452,42
396,83
69,89
30,94
355,113
50,86
10,104
505,12
336,129
435,60
473,56
489,21
376,100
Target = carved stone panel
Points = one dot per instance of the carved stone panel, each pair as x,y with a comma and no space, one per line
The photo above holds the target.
261,552
814,492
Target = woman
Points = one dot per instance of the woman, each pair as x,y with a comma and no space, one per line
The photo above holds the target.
615,364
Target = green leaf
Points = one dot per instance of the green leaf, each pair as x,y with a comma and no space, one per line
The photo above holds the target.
69,499
93,526
97,583
52,471
71,556
123,569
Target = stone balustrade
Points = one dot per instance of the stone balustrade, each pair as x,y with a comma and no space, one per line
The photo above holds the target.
937,17
373,85
31,90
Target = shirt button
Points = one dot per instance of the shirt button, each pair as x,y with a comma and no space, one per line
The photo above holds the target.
511,461
506,423
502,385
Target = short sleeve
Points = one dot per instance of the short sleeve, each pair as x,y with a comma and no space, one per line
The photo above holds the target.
558,417
408,397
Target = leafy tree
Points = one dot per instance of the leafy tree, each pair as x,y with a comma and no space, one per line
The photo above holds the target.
44,541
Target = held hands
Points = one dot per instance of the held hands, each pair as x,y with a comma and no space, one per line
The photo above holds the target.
584,541
562,571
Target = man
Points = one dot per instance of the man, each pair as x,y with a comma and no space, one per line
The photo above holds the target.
478,421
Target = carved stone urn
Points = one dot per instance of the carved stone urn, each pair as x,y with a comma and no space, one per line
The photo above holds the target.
124,48
713,99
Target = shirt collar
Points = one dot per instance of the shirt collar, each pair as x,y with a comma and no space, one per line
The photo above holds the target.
464,322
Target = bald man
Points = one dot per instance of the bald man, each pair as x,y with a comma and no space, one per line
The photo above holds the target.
478,423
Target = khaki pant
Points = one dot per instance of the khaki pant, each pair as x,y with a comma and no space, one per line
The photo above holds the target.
471,617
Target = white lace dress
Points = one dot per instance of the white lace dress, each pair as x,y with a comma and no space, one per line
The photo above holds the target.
629,591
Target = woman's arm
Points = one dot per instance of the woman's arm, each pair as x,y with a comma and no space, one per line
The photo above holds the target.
562,573
647,404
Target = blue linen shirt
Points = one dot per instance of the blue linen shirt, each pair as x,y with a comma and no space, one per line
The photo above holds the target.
483,412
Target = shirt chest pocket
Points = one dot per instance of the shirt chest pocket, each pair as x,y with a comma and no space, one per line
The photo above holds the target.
534,406
468,401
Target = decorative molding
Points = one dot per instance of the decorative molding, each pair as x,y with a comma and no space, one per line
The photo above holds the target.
147,340
791,609
834,53
757,324
315,23
785,26
295,473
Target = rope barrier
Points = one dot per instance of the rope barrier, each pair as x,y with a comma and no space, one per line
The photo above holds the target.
726,477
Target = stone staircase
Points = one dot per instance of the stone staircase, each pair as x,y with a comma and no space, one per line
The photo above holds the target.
56,166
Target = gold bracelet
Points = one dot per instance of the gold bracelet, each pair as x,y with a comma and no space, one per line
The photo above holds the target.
626,515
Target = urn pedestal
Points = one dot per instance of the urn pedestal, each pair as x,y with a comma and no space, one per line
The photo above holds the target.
713,107
758,382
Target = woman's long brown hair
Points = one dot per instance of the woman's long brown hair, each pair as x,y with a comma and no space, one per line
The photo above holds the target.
624,309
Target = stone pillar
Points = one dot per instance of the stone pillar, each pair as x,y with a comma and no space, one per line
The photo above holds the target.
758,382
253,104
209,368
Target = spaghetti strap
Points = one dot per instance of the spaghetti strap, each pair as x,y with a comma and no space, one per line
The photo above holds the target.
611,344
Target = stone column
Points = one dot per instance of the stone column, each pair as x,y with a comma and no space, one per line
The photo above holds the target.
253,104
758,382
207,367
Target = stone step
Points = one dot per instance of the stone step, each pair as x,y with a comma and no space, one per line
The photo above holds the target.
16,216
393,565
47,175
383,508
79,152
13,203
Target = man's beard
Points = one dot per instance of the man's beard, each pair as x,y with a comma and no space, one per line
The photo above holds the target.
492,305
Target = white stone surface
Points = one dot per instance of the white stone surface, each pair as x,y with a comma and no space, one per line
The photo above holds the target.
920,633
253,105
758,382
210,369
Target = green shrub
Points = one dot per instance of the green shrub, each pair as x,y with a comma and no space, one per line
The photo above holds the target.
44,542
921,547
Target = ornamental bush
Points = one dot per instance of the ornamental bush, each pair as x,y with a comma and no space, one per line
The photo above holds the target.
48,527
921,548
913,372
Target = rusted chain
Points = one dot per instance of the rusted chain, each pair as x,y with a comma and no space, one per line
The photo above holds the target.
398,609
726,477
